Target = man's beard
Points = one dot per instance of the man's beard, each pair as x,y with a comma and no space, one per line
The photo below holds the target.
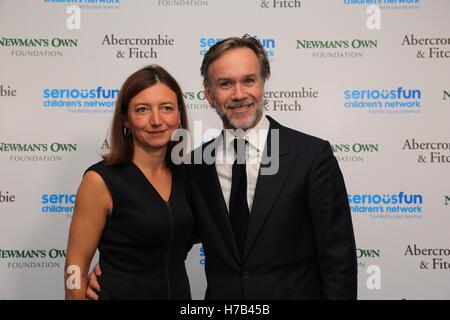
231,123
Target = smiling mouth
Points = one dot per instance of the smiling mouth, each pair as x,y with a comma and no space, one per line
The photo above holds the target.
241,108
156,132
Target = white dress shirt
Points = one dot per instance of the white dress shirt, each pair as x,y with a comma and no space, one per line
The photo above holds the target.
225,157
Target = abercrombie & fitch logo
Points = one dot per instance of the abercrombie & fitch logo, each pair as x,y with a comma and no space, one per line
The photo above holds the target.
7,91
430,47
288,100
7,197
266,4
433,258
139,47
431,152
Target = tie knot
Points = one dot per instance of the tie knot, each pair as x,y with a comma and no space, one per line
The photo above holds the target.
239,145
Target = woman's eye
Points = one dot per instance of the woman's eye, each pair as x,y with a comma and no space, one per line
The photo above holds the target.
141,109
167,108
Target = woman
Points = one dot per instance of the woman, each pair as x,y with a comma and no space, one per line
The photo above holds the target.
132,206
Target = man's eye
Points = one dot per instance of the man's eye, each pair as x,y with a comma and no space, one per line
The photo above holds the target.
249,81
225,84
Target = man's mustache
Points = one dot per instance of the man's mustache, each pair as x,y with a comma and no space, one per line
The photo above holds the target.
243,103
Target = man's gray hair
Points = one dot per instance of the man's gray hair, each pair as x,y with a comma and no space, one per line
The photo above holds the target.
221,47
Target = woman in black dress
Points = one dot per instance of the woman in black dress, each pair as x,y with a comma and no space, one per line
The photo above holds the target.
132,206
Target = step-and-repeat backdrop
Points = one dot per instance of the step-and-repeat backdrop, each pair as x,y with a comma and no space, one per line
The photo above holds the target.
370,76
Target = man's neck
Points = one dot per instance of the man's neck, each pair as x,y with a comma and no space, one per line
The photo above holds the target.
248,130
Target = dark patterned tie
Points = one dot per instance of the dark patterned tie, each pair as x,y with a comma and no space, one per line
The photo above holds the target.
239,212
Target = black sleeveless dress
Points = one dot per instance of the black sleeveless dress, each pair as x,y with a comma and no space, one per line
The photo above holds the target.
145,240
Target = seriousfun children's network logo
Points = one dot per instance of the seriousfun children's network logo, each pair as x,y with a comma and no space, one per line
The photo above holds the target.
55,204
201,254
86,100
384,100
87,4
387,4
269,44
387,206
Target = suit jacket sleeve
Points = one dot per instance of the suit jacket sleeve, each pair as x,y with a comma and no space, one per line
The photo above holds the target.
332,227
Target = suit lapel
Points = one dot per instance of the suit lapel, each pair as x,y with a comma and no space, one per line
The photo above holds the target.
268,187
208,181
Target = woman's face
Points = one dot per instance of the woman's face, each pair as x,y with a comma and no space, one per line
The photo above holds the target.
153,115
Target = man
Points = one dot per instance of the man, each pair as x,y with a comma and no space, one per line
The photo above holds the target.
282,235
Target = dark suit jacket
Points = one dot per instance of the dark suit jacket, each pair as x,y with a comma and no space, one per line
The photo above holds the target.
300,242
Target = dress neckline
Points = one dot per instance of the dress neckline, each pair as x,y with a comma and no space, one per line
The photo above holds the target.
148,182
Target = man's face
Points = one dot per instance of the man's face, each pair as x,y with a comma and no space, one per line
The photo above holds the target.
235,88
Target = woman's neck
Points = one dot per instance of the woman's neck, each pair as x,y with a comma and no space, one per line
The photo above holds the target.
150,160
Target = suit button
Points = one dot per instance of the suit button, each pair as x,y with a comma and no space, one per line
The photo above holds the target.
246,275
